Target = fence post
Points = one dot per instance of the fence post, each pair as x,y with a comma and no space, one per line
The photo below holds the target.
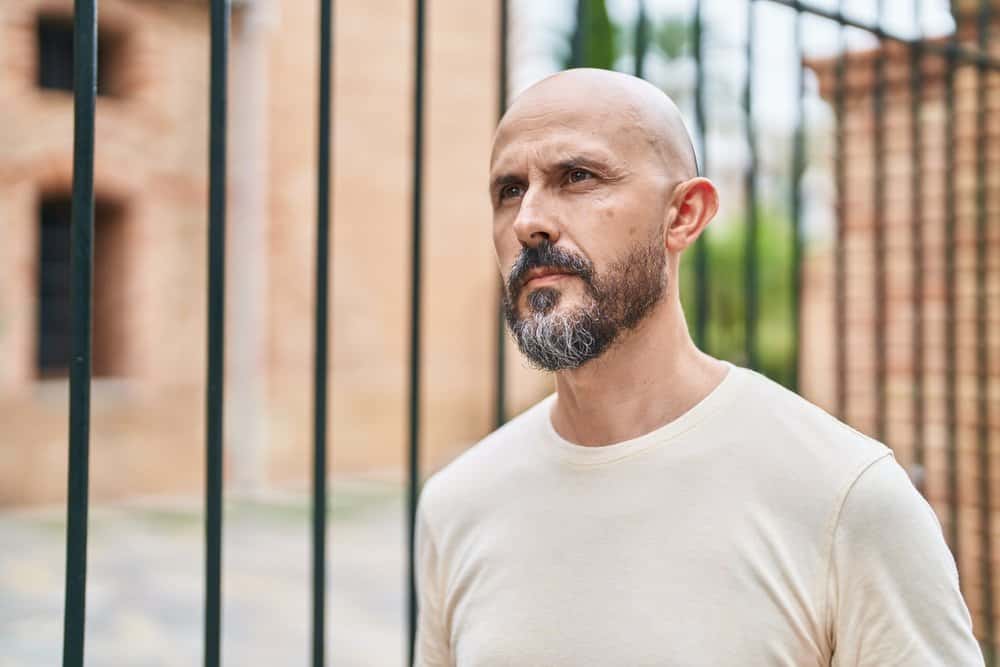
81,301
750,181
415,283
798,168
500,397
321,338
701,258
917,212
216,329
981,338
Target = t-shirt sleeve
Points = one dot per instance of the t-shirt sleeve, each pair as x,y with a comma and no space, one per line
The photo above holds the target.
432,641
893,586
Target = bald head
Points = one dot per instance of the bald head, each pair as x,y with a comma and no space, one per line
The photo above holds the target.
620,105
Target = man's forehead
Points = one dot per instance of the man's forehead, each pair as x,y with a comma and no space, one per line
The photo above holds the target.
630,117
559,134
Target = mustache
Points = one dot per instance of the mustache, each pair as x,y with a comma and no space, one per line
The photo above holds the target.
546,256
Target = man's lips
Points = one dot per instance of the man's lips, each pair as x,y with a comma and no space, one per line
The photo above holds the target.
545,276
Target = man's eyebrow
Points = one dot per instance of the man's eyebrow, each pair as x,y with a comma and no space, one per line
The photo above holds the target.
600,164
580,160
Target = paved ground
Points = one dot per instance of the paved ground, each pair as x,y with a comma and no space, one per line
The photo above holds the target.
145,586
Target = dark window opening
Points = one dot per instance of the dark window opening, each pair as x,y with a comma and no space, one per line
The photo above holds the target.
54,337
55,56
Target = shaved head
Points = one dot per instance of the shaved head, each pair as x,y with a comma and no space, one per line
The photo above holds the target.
618,102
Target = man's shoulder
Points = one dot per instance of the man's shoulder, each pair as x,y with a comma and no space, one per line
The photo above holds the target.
487,464
794,429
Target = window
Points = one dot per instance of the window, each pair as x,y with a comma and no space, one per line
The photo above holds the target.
55,56
54,337
53,288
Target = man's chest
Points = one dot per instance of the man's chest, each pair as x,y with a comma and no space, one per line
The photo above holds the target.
642,589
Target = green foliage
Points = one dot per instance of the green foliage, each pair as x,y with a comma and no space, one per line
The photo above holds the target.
599,39
604,41
727,293
672,37
603,44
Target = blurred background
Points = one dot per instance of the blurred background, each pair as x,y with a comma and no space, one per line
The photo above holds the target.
854,259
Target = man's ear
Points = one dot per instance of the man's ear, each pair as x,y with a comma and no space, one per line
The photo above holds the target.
695,203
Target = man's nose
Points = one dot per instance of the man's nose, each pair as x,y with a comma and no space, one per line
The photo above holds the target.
535,221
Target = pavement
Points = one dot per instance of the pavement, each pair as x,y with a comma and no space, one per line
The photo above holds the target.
145,586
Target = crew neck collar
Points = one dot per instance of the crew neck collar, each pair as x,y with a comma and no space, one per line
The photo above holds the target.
596,455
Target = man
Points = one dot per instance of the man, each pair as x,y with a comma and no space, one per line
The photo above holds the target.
662,507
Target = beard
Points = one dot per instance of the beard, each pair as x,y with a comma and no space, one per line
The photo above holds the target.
614,301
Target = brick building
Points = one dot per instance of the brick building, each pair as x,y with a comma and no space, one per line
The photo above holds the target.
151,230
901,206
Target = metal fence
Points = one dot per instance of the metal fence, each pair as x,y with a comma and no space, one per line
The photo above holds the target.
950,54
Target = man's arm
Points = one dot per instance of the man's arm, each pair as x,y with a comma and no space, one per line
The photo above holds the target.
432,642
894,597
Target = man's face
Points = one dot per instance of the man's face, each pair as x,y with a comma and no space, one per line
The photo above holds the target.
579,202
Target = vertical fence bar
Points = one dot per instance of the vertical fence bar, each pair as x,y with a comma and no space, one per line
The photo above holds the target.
641,39
798,168
503,76
701,245
81,301
839,240
917,243
878,102
415,283
982,351
750,180
216,330
577,56
951,401
321,337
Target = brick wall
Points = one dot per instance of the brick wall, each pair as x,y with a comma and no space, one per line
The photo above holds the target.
151,165
818,364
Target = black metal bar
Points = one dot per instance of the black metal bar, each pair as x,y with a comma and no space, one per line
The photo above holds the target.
878,232
951,399
81,300
500,398
321,337
415,282
951,50
917,213
798,169
641,39
701,245
577,56
750,180
982,349
839,240
216,331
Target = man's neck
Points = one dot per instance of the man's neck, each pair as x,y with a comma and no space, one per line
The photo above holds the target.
651,376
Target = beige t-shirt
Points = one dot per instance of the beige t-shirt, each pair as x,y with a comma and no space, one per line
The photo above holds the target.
755,529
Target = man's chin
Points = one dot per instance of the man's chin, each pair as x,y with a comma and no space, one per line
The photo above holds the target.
563,303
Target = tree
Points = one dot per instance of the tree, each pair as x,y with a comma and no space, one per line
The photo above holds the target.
726,249
594,40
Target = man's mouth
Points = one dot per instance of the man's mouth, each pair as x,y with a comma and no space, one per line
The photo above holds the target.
544,275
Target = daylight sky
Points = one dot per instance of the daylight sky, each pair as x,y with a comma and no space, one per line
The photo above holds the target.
541,23
538,29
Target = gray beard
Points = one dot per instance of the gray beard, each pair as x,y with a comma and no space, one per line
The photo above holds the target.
616,302
558,340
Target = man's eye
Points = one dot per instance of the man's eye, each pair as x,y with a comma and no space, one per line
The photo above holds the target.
577,175
511,191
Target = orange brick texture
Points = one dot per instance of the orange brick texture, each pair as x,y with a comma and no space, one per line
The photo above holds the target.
151,167
905,364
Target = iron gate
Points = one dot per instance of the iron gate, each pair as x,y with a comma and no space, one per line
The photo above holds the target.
951,55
